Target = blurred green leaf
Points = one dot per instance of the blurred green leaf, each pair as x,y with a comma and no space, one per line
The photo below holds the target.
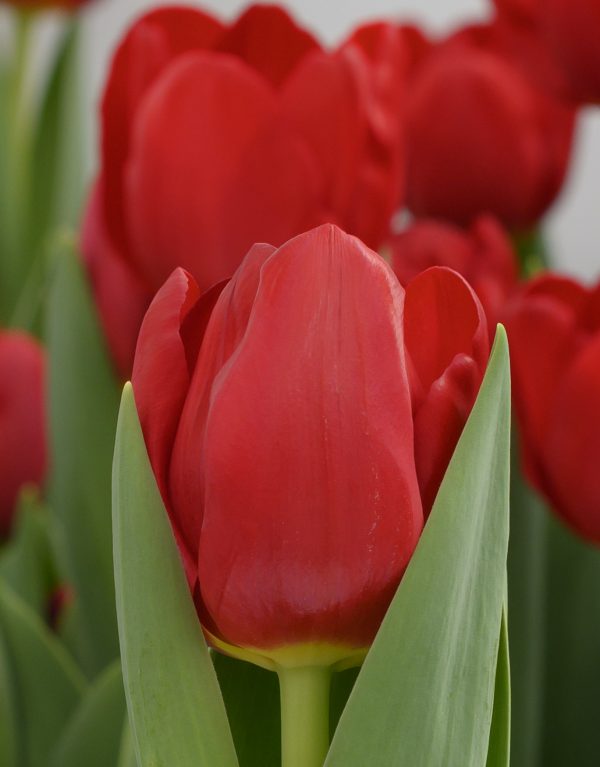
127,751
27,561
175,705
426,691
527,551
251,697
83,411
571,735
47,682
499,751
93,735
8,713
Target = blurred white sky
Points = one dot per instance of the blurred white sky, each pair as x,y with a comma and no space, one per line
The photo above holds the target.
573,227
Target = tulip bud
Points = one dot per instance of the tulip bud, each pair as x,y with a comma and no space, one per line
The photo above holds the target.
482,254
278,417
215,137
23,455
554,332
483,135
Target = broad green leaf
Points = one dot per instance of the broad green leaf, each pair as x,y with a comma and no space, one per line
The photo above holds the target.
8,712
571,735
251,697
527,552
83,411
425,693
499,750
27,562
175,705
93,734
47,682
127,751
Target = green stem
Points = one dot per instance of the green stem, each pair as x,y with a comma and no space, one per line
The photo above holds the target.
304,716
531,251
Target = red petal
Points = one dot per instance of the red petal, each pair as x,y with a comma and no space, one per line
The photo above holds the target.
23,454
193,136
571,452
121,297
311,505
151,45
269,40
161,375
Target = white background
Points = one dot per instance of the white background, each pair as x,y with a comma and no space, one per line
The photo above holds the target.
574,225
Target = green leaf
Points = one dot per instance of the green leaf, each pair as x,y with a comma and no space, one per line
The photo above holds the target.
127,751
527,553
93,735
571,735
8,712
47,682
499,751
175,705
425,693
83,411
251,697
27,562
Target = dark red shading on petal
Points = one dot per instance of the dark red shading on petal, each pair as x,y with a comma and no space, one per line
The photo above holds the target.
149,48
447,344
23,450
120,296
268,40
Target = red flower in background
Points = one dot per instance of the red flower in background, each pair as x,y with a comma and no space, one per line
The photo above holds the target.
23,456
483,134
482,254
278,418
554,333
217,137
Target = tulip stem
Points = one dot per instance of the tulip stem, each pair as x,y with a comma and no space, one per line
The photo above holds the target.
304,716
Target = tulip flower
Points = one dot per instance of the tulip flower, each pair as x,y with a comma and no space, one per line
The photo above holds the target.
554,333
483,136
23,457
483,254
278,417
521,11
215,137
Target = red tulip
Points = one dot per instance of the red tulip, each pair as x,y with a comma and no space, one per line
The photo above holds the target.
483,135
483,254
554,333
521,11
22,420
217,137
277,416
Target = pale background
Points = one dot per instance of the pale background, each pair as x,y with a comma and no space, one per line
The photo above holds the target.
574,225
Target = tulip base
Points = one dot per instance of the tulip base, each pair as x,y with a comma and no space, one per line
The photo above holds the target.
304,715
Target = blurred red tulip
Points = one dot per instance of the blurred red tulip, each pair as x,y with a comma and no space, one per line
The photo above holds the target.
554,333
484,135
23,457
521,11
482,254
217,137
277,415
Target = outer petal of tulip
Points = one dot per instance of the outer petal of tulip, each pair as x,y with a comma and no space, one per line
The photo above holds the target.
483,138
542,328
521,11
151,45
198,194
269,40
293,459
483,255
121,297
23,455
572,29
447,345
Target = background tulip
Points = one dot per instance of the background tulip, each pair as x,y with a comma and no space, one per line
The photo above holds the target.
23,456
483,136
482,254
215,137
554,331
